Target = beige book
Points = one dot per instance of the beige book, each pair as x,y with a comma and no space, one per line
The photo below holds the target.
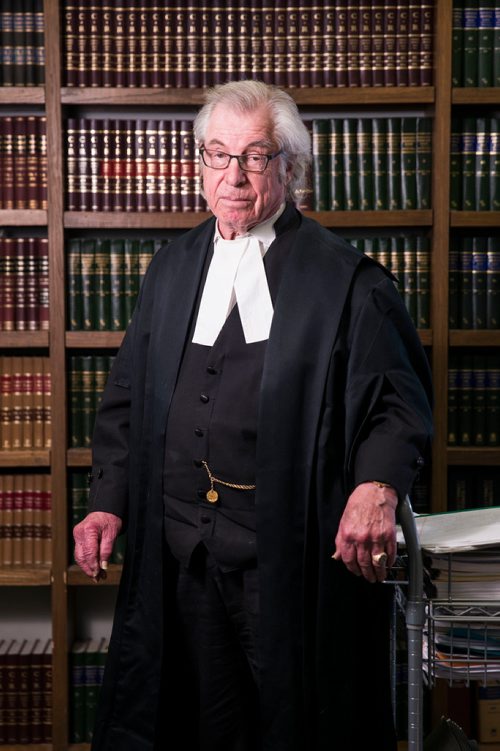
27,403
47,404
38,406
16,413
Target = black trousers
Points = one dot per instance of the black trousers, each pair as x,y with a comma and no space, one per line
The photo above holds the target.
217,614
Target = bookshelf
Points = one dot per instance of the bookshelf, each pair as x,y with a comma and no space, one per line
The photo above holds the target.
439,101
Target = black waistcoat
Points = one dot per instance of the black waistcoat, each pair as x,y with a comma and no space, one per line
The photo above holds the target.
213,417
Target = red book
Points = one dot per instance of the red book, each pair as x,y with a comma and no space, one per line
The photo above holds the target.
70,36
132,55
193,44
20,283
31,164
175,203
156,46
256,38
31,271
8,282
341,43
365,45
151,177
167,55
108,78
390,42
353,31
163,166
244,41
280,43
186,158
206,77
402,29
426,38
415,29
94,43
7,124
305,28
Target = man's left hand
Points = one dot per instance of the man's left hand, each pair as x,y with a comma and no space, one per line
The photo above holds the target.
368,528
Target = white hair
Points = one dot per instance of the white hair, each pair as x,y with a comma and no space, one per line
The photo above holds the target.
289,132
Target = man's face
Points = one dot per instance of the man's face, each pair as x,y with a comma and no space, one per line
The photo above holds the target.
241,199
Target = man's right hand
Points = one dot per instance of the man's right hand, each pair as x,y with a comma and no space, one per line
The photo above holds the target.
94,539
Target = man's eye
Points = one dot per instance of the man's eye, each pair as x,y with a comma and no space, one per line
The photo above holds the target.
254,158
218,155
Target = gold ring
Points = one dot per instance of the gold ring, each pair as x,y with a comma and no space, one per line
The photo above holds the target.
379,559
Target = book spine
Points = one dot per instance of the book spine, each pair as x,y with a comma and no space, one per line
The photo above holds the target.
479,266
321,164
349,148
117,149
71,164
108,77
390,42
180,48
148,68
131,44
496,48
38,404
82,45
94,144
402,31
423,282
151,67
410,278
118,56
106,167
47,693
131,277
17,521
75,402
492,284
116,271
8,283
486,20
193,58
19,38
280,44
317,46
206,78
243,39
87,281
469,137
36,694
17,403
353,34
482,165
256,38
337,187
394,163
129,165
7,43
328,46
175,204
408,163
77,671
494,163
456,146
8,162
426,43
20,163
47,403
152,197
268,44
415,31
42,162
465,287
379,154
470,43
20,320
217,39
38,557
102,285
478,400
84,172
424,162
365,45
29,44
42,278
364,164
5,402
31,164
94,43
88,398
28,521
492,385
11,694
186,158
74,285
457,50
231,58
8,520
163,166
140,166
341,12
465,401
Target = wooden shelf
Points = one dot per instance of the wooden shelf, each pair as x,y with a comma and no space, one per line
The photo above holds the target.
23,217
474,338
12,339
79,458
76,577
25,458
22,95
133,220
475,219
186,220
161,97
25,577
32,747
94,339
471,96
474,455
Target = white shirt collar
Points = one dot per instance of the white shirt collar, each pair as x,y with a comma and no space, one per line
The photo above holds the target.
264,232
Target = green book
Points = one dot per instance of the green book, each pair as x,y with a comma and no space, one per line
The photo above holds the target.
146,252
494,159
423,282
365,164
74,285
465,286
486,22
408,163
379,155
453,390
349,142
130,278
482,165
492,386
465,400
382,251
457,50
117,283
410,278
88,247
469,125
493,283
92,684
321,164
479,266
337,193
77,704
496,48
88,398
75,402
78,492
454,314
478,400
424,162
470,43
394,163
456,165
397,257
102,285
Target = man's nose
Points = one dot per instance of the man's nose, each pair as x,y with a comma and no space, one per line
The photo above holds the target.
234,174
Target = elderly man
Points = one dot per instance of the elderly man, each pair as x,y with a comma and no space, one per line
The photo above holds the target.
267,408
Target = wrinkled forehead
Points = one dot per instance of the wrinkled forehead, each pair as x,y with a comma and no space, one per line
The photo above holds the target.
230,123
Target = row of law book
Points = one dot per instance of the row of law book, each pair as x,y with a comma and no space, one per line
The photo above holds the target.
371,163
23,162
78,494
87,661
103,280
287,43
474,399
22,50
474,283
468,488
132,165
475,164
476,43
25,520
25,691
408,258
24,284
25,403
87,378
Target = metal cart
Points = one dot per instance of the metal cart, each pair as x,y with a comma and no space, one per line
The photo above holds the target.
467,623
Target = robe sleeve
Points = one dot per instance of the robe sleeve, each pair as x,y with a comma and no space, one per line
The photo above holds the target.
388,393
109,477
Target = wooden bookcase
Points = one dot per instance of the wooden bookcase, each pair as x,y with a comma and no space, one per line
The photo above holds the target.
437,100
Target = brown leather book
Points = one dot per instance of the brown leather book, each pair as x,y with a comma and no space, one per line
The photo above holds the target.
7,519
17,521
280,43
151,186
390,38
8,282
292,44
402,29
7,138
31,163
47,403
38,405
20,285
341,43
42,161
5,403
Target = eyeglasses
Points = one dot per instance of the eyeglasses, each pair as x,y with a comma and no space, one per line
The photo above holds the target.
216,159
